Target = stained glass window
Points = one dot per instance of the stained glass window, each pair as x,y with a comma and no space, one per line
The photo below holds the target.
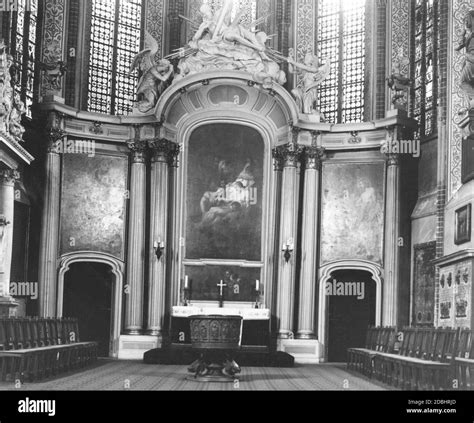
425,69
115,40
23,27
341,39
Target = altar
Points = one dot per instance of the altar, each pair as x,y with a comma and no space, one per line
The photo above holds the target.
246,185
255,331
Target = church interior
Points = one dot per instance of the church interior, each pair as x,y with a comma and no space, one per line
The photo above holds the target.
275,193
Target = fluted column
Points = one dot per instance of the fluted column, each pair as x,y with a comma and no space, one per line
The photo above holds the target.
287,157
309,243
136,239
391,242
49,237
163,155
173,230
7,184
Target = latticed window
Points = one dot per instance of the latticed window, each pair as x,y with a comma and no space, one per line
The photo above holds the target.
23,35
115,40
425,98
341,39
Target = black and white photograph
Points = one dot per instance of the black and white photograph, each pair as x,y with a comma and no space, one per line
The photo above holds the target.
237,198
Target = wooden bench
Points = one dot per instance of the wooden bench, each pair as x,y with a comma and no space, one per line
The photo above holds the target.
424,360
379,339
34,348
464,360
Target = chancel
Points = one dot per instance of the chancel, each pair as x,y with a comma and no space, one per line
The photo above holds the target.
278,181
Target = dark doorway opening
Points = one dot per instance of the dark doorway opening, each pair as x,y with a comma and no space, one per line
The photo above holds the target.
351,309
88,296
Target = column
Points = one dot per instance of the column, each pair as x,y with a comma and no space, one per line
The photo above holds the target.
52,58
288,156
174,245
391,242
398,43
309,243
156,21
7,201
304,33
136,239
163,156
49,248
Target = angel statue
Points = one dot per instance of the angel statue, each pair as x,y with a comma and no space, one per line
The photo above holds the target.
208,25
397,81
467,43
155,74
236,33
313,75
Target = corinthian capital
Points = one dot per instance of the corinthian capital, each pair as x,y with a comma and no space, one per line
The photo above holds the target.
138,150
164,151
313,156
390,149
287,155
9,176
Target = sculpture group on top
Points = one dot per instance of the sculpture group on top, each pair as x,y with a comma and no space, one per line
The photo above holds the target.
11,106
221,42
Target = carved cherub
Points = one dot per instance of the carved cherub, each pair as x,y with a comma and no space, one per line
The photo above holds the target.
313,75
15,127
6,100
54,72
155,74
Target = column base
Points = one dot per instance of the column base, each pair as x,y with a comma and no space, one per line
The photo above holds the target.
305,351
132,347
153,332
8,307
396,112
315,117
285,334
133,331
305,334
51,98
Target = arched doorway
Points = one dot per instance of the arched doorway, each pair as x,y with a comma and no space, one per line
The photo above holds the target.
351,297
88,294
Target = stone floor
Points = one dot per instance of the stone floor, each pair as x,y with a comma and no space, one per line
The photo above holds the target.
134,375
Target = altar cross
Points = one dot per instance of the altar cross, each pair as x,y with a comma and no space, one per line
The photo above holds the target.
221,285
221,293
